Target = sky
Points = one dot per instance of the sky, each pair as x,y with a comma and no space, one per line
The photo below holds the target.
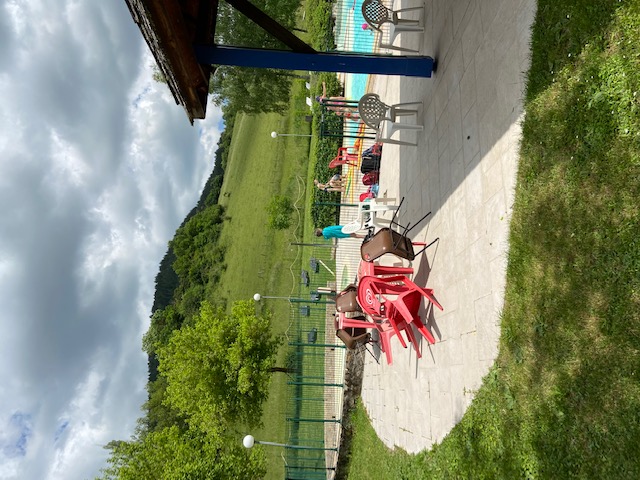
98,167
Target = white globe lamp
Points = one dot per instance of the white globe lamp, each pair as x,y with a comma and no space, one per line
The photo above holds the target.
248,441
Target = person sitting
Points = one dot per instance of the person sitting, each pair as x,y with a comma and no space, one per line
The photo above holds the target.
333,185
335,231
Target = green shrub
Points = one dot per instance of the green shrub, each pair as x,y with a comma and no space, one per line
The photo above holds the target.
279,209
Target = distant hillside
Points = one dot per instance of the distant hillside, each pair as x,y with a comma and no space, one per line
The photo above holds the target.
167,280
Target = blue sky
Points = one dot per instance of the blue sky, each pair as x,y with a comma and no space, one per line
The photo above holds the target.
98,168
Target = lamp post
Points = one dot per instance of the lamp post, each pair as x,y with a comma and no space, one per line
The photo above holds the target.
276,135
249,441
257,297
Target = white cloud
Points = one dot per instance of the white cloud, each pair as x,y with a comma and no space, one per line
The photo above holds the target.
99,167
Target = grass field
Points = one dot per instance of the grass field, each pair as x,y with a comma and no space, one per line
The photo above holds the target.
563,399
260,259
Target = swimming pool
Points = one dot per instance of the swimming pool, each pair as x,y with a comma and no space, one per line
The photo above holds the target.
351,37
355,84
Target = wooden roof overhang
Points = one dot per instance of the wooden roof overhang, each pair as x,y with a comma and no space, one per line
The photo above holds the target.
171,28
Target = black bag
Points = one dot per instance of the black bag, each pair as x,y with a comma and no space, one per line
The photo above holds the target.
370,163
371,158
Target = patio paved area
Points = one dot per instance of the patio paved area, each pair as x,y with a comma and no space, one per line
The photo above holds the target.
463,171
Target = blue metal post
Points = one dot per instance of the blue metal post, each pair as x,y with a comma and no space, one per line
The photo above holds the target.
409,66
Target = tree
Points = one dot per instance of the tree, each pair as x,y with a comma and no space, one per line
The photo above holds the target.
218,369
163,323
252,90
279,210
170,454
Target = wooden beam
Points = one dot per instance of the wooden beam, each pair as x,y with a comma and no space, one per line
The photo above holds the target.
272,27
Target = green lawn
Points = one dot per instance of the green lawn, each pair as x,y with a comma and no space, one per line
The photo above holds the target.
563,399
260,259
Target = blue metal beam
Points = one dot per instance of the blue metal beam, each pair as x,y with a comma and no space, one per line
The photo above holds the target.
409,66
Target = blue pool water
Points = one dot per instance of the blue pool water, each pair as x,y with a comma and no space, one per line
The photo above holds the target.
352,38
356,85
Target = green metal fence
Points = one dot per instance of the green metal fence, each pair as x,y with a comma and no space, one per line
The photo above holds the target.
315,388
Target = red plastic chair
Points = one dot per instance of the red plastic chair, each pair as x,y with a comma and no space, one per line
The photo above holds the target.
373,269
401,285
359,321
403,308
344,158
386,331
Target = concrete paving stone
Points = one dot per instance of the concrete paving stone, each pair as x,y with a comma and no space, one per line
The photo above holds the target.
490,134
441,98
469,348
496,217
459,240
470,135
455,120
473,190
428,118
444,173
492,180
467,87
444,167
461,266
476,221
485,77
441,406
433,192
459,17
440,29
466,319
454,68
488,11
457,177
444,422
443,127
472,34
502,37
478,254
494,145
488,334
449,298
425,427
454,345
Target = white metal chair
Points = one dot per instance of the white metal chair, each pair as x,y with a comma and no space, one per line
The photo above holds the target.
376,114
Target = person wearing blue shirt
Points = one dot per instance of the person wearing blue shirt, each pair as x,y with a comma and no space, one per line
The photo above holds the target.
335,231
